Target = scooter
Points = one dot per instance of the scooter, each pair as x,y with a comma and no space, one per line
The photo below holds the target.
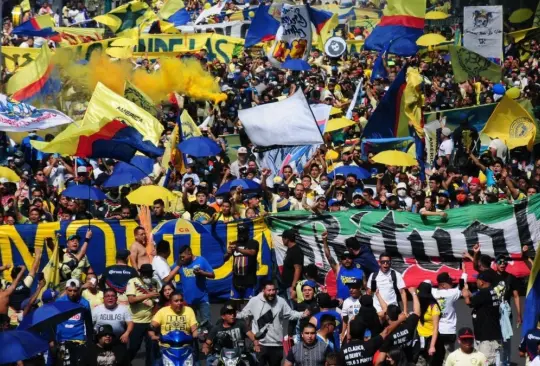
176,349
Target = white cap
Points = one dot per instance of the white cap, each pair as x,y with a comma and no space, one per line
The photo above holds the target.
82,169
402,185
73,283
242,150
446,132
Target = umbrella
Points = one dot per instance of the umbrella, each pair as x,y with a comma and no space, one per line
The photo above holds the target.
199,147
127,173
337,124
246,184
520,15
50,315
146,195
360,173
296,64
84,192
8,175
335,111
394,157
436,15
430,39
19,345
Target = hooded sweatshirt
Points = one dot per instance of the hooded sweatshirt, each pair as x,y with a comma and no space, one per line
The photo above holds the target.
269,316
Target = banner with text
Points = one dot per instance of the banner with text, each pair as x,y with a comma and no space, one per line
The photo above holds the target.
421,247
483,30
17,242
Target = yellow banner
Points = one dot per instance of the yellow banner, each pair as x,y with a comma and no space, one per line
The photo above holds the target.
16,56
354,46
75,36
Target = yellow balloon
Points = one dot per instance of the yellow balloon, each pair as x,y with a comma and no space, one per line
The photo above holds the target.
513,93
207,6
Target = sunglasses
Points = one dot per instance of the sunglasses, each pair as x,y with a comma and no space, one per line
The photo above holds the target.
386,262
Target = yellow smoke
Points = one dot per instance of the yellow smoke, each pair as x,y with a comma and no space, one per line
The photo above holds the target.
181,76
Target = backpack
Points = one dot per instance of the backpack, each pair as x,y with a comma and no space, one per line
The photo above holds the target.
394,283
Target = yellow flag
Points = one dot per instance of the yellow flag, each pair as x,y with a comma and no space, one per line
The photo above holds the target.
126,17
104,107
412,99
511,123
25,5
137,96
189,128
51,271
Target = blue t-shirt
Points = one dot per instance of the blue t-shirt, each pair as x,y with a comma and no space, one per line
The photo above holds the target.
345,276
490,178
72,329
334,339
194,287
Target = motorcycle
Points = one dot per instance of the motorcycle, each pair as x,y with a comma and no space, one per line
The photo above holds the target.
230,355
176,349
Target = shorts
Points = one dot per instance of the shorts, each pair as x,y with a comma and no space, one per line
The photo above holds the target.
490,349
242,293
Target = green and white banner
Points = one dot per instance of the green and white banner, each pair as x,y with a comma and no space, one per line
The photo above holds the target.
421,247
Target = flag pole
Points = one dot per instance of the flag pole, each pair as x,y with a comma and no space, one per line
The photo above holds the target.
313,115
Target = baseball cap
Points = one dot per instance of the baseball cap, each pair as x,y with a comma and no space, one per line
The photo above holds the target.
82,169
401,185
73,283
475,181
74,236
105,329
446,132
333,201
346,254
443,193
444,278
486,276
288,234
242,150
502,258
340,176
122,254
309,283
320,197
357,192
48,296
146,268
227,309
465,333
283,187
355,284
347,150
252,195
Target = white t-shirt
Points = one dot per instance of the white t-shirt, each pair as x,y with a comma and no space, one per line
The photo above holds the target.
350,307
116,318
535,362
161,268
386,288
458,357
446,147
447,299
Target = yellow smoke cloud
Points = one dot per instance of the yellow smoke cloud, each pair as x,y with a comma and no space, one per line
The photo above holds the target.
182,76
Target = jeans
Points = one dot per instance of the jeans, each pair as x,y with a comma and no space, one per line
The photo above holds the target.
270,356
140,332
202,312
506,353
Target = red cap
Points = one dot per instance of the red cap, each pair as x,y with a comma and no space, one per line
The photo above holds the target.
465,333
475,181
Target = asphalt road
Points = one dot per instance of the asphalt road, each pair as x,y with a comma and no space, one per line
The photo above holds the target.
463,316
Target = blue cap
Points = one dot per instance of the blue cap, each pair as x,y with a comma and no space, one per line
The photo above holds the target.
367,333
251,195
332,202
357,192
309,283
48,296
443,193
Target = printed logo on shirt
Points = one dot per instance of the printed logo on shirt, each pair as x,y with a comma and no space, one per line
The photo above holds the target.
175,322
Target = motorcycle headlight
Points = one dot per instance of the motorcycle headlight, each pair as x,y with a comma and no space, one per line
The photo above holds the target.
188,361
231,362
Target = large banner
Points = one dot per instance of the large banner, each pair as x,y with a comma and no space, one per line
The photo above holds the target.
236,29
20,117
420,247
483,30
17,242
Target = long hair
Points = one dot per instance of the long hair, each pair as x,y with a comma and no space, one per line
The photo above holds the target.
398,356
163,301
426,299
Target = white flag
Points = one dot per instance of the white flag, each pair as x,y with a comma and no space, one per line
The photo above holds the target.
289,123
214,10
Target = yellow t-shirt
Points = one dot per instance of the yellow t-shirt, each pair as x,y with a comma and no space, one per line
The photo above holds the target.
426,329
169,320
458,357
94,300
141,312
78,271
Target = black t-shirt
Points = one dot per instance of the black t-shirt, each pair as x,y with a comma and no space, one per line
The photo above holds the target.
117,277
358,352
97,356
505,285
485,314
236,334
245,266
21,293
294,256
402,337
201,213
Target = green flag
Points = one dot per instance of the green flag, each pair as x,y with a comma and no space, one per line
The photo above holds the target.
467,64
137,96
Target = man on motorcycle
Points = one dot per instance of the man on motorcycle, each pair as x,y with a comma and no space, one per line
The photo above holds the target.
230,333
173,318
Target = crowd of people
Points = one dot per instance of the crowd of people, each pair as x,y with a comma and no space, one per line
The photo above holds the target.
371,319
